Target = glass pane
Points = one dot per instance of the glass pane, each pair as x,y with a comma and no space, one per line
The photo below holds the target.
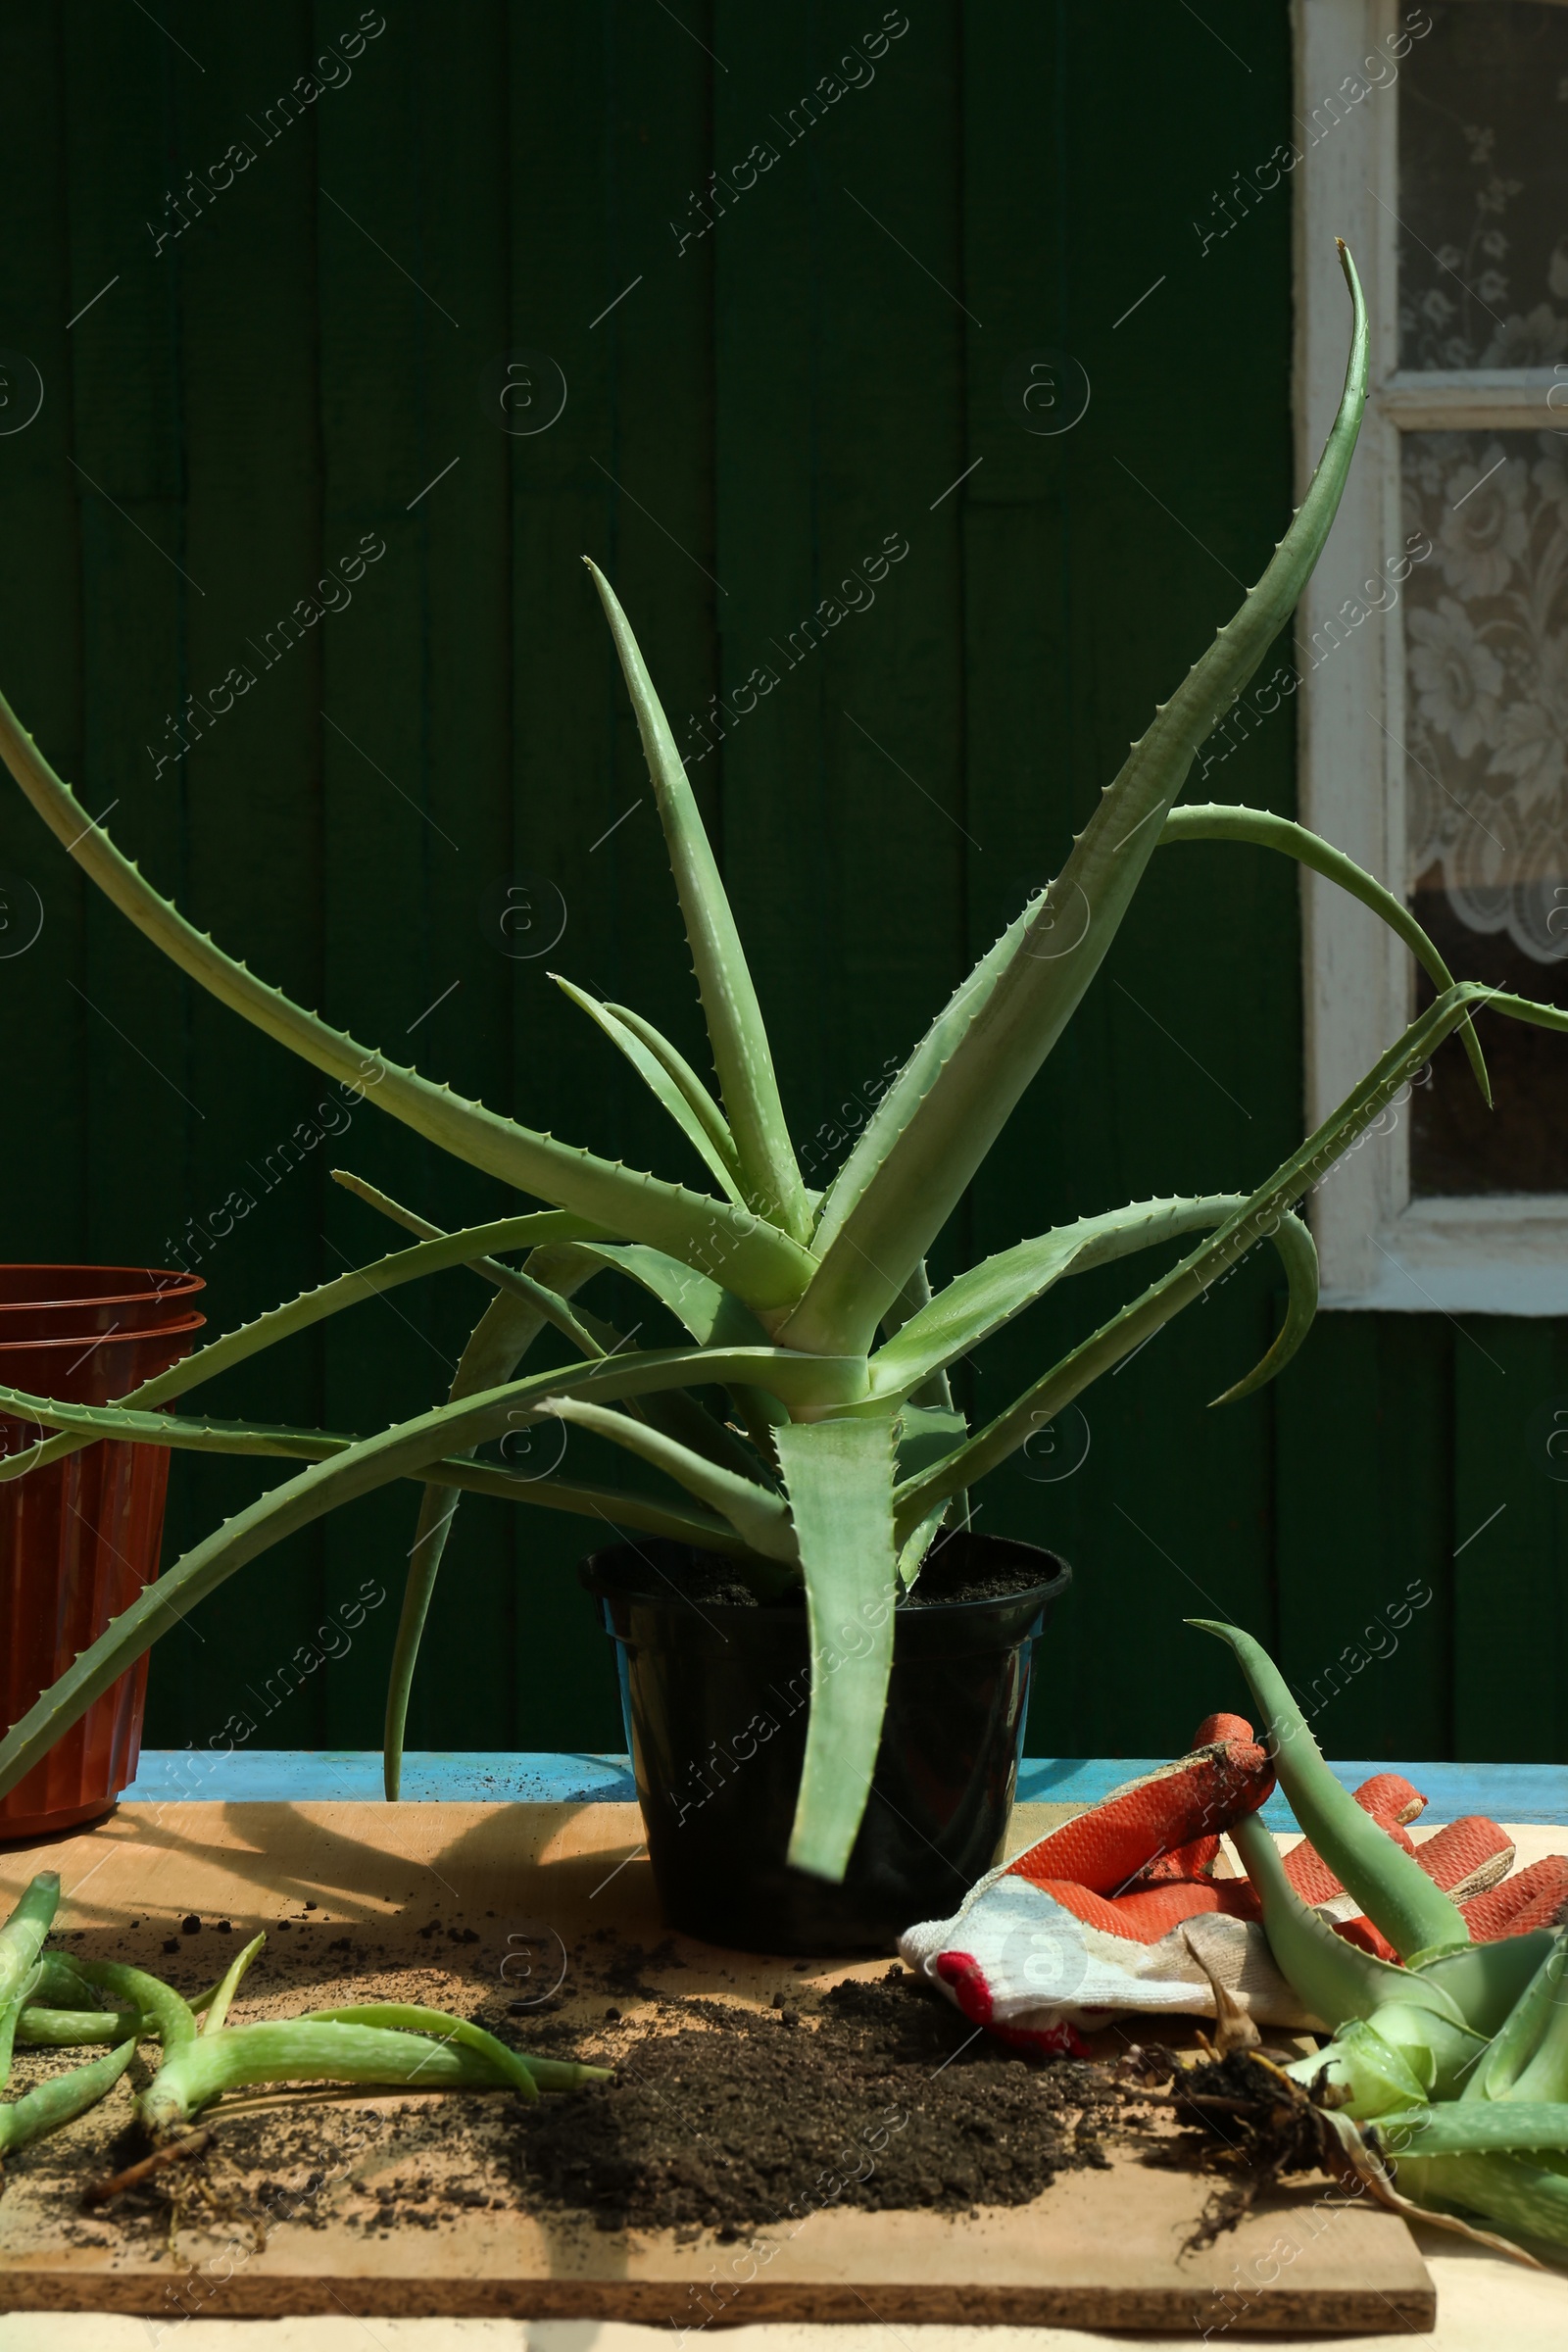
1483,104
1486,646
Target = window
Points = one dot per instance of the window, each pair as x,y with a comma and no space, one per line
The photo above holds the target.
1433,644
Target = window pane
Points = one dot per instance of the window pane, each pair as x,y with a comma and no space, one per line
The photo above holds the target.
1484,188
1486,644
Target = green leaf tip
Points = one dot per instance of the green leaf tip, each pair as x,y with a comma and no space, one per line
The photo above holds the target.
1390,1887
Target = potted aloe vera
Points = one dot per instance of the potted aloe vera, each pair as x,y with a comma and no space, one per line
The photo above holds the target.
803,1440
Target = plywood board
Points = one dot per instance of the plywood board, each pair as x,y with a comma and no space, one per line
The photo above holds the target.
465,1891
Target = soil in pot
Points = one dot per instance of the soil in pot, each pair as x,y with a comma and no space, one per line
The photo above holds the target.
714,1689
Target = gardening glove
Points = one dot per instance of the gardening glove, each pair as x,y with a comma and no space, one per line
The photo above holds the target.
1130,1906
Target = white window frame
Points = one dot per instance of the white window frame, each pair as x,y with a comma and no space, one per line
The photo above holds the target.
1491,1253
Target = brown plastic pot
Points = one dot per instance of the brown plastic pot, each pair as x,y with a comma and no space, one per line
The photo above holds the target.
80,1537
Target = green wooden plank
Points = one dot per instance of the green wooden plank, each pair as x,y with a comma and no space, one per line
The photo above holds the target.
1366,1533
1510,1517
1154,1089
43,1189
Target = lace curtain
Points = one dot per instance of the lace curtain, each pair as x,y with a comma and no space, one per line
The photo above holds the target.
1483,103
1483,284
1486,680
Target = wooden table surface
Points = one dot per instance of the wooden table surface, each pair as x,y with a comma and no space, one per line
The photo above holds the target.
1481,2300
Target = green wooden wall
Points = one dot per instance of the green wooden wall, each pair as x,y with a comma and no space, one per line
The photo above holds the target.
304,363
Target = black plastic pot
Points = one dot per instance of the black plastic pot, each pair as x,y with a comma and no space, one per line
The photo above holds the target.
714,1692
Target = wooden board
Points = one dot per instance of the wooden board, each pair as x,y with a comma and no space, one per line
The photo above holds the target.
1100,2248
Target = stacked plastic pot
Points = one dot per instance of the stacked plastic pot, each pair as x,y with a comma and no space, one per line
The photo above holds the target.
80,1537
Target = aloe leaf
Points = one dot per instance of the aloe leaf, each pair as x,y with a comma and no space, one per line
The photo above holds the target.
497,1344
555,1272
533,1285
92,1422
408,1447
23,1935
839,1476
715,1316
1544,2073
613,1507
172,2019
1338,1981
936,1391
290,2050
228,1984
44,2028
767,1266
914,1550
691,1086
1524,2198
926,1434
407,2018
923,1434
934,1126
1490,1982
1465,2128
50,2105
1219,821
742,1056
527,2073
1188,1281
1390,1884
757,1515
989,1295
9,2016
653,1075
184,1434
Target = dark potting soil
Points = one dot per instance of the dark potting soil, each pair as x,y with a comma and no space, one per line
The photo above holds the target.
883,2098
947,1576
719,2116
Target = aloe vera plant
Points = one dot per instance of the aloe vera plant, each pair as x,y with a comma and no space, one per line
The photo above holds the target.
840,1455
1451,2064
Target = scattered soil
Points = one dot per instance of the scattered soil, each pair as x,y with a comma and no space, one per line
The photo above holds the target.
880,2097
721,2115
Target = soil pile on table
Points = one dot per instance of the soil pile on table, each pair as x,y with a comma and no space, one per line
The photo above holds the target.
722,2114
884,2097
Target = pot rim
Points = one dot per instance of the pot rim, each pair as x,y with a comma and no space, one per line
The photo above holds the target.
1049,1589
156,1282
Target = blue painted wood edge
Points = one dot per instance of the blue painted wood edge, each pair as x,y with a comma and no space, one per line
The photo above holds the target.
1522,1793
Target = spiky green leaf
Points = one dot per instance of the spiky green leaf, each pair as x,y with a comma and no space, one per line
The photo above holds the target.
989,1295
756,1514
654,1076
1218,821
742,1056
839,1477
691,1086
